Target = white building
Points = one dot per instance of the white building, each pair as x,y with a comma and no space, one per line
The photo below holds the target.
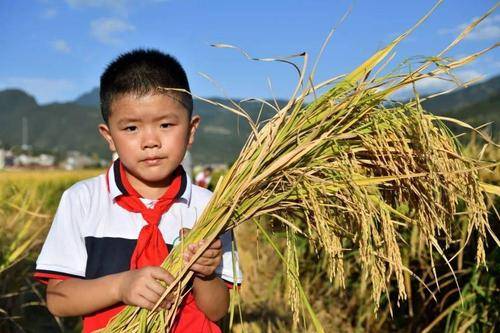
77,160
46,160
2,158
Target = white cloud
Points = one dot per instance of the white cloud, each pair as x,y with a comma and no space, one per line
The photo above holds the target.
97,3
434,85
45,90
60,45
488,29
108,30
121,7
48,13
118,6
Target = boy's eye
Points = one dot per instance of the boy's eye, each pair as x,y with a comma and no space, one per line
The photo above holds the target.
165,125
130,128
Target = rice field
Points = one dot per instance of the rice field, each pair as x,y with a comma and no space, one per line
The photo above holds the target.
28,200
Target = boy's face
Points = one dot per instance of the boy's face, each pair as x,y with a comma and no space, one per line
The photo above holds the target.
151,134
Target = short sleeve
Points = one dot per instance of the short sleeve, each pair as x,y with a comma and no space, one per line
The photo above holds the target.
229,268
63,254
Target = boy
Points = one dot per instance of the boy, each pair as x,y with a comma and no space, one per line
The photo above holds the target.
111,232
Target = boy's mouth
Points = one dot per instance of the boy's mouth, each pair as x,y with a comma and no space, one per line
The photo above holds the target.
152,160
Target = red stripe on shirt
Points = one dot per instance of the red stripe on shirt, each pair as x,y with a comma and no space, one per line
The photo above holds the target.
45,277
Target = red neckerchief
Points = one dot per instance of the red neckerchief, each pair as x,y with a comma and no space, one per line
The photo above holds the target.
151,249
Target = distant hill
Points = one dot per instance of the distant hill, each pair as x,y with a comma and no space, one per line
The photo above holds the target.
15,100
52,127
73,126
464,98
476,105
480,113
90,98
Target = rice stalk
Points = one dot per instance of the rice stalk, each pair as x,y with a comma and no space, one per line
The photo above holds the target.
336,171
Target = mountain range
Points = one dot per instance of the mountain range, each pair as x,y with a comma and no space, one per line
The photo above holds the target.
59,127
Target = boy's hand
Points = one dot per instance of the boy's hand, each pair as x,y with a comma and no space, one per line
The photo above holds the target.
139,287
206,264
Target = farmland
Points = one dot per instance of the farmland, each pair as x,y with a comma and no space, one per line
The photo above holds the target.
29,200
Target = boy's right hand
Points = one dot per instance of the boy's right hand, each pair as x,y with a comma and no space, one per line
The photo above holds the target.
139,287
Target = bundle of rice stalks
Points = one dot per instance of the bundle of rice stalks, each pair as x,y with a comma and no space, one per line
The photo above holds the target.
348,171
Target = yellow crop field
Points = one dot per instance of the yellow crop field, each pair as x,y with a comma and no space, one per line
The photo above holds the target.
28,200
32,179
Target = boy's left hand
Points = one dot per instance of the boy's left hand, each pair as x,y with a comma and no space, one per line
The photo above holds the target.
206,264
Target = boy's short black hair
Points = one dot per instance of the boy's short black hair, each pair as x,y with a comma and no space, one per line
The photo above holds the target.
142,72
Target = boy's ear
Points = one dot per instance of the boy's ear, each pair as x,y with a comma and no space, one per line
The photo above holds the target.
106,134
193,125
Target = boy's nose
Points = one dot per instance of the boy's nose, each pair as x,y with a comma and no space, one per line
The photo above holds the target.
150,139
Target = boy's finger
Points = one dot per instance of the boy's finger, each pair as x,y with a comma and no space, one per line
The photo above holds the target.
211,253
202,269
156,287
145,304
168,301
160,273
217,244
204,261
149,295
193,248
189,251
170,298
208,258
166,304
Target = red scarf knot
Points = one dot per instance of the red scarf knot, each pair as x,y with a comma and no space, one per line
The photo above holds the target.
151,249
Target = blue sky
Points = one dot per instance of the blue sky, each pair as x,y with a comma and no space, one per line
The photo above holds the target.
57,49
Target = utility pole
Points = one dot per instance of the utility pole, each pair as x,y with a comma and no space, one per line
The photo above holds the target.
25,134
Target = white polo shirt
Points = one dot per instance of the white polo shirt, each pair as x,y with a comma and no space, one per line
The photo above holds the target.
92,236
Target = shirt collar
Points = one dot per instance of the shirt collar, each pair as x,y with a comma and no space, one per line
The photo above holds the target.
115,191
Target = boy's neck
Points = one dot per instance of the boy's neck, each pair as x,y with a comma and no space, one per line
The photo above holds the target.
148,190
